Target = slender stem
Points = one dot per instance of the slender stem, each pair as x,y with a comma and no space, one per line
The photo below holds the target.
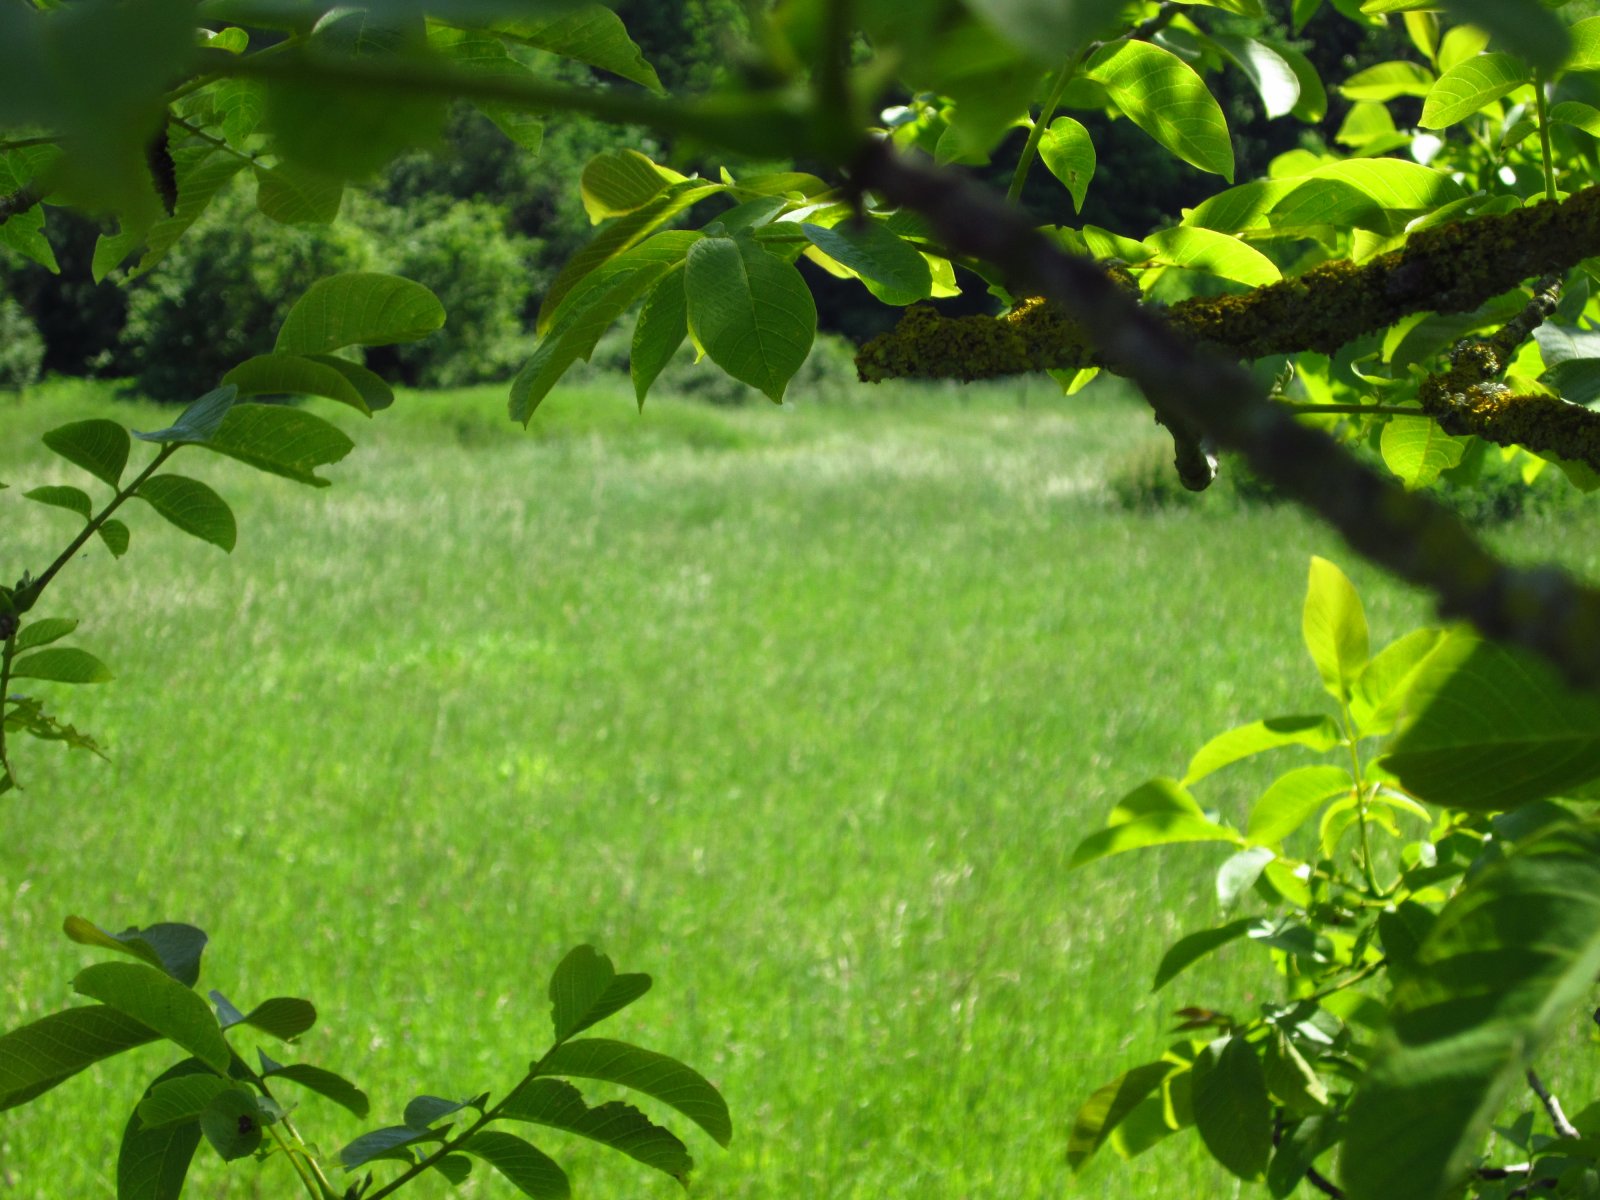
6,655
299,1167
1366,972
195,131
31,594
1542,103
1030,149
454,1143
1352,744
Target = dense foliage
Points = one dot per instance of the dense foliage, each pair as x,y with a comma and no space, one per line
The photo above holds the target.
1418,284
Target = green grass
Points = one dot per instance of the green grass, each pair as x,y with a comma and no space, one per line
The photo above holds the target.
800,711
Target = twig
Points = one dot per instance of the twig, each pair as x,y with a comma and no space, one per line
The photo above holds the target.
1323,1184
1558,1118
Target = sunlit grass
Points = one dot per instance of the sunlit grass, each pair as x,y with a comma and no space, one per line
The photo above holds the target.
801,712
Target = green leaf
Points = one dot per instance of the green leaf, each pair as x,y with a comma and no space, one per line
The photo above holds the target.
99,447
624,232
1494,728
70,498
1231,1108
1317,733
1102,1112
529,1169
384,1143
423,1111
1335,627
359,308
586,989
1585,45
42,633
558,1104
115,535
486,57
1162,95
199,421
645,1071
1524,27
593,34
61,664
312,375
750,310
36,1057
662,326
1384,683
161,1002
879,256
232,1124
24,232
152,1163
1156,813
1199,249
617,182
1290,1077
325,1083
1388,81
1468,86
193,507
1418,451
1048,31
1067,150
1291,800
173,947
1396,191
281,441
202,171
1276,79
284,1017
591,308
1187,951
293,195
182,1098
1504,966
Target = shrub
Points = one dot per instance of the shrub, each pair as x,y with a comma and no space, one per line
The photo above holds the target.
221,294
21,348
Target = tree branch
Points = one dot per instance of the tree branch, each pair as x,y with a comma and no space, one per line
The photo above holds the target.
1541,609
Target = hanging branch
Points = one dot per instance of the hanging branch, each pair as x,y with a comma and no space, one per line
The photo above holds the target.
1542,609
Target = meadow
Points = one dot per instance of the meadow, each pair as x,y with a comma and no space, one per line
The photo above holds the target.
801,711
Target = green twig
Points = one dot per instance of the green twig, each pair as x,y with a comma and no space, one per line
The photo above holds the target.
1030,149
1349,981
194,130
1542,105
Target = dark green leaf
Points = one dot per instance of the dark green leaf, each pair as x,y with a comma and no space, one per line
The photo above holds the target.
558,1104
662,326
586,989
425,1110
359,308
384,1143
202,171
750,311
61,664
532,1171
325,1083
58,496
192,506
42,633
593,34
1298,1151
232,1124
36,1057
284,1017
281,441
311,375
1189,950
292,195
1048,31
892,267
115,535
484,56
152,1163
99,447
1231,1108
174,947
645,1071
153,997
200,421
1494,728
182,1098
1109,1106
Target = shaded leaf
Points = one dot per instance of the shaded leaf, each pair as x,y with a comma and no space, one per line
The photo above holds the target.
423,1111
1109,1106
42,633
292,195
61,664
558,1104
646,1071
1187,951
175,948
193,507
280,440
384,1143
154,998
662,327
232,1123
1231,1108
311,375
359,308
879,256
325,1083
592,34
115,535
586,989
152,1163
36,1057
72,499
99,447
199,421
182,1098
750,311
529,1169
284,1017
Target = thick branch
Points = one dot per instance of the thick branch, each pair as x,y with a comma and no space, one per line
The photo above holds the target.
1542,609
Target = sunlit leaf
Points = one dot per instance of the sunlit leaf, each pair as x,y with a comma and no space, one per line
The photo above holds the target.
1164,96
154,998
1156,813
359,308
1334,626
1467,87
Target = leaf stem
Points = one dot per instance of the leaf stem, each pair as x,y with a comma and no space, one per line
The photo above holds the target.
1542,104
27,597
194,130
1366,972
1030,149
6,655
306,1180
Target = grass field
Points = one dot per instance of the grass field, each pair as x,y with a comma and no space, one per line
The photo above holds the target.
800,711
